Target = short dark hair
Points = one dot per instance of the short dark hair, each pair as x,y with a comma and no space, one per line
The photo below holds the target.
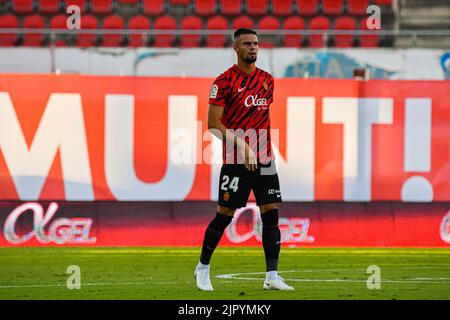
240,31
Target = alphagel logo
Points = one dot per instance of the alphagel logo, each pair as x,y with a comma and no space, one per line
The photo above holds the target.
261,103
332,65
293,230
445,228
60,231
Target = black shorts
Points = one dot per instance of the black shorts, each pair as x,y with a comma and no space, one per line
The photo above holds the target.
236,182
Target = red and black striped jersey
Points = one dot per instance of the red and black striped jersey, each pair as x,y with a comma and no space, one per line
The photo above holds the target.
246,99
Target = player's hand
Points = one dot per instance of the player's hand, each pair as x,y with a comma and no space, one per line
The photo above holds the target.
251,162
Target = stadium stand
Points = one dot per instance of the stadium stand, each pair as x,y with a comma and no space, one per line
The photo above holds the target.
308,7
243,22
198,15
268,23
87,39
139,22
293,23
367,40
205,7
230,7
153,7
344,23
59,22
49,6
165,23
216,23
82,4
332,7
190,23
101,6
112,22
33,39
282,7
318,23
357,7
257,7
8,21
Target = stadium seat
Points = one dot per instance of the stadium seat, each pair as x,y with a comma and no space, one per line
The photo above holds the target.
192,23
282,7
308,7
205,7
179,2
231,7
59,22
344,23
243,22
293,23
367,40
153,7
257,7
139,22
8,21
268,23
383,2
164,23
216,23
49,6
332,7
357,7
34,21
128,1
87,39
22,6
80,3
101,6
318,23
112,22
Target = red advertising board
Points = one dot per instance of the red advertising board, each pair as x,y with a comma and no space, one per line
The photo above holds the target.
89,138
331,224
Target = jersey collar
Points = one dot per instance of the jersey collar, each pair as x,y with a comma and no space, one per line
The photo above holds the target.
235,67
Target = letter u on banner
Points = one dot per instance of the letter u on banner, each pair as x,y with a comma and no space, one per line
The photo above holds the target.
119,150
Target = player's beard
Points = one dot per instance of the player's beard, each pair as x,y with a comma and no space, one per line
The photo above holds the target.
249,58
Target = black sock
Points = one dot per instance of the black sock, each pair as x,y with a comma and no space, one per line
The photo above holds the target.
213,234
271,237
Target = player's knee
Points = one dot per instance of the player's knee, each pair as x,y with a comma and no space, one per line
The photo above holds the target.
226,211
270,218
268,207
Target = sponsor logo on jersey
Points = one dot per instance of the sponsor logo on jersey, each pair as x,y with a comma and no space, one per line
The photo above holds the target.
266,87
214,90
254,101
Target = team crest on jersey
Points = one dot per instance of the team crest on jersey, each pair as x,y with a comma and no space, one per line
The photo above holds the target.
213,93
265,85
226,196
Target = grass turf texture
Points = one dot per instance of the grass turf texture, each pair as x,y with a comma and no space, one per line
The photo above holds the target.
167,273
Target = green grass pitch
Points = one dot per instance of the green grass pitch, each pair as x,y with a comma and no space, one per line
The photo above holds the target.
237,273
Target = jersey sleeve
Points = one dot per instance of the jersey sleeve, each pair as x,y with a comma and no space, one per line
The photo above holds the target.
220,91
271,85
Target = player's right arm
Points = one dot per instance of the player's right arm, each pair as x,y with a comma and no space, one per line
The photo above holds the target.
217,128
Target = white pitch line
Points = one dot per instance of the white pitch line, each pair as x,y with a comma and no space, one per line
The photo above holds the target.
237,276
89,284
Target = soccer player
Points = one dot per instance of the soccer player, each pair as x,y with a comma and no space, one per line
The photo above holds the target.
239,114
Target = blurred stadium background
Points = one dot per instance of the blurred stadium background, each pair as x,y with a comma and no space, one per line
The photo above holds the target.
91,112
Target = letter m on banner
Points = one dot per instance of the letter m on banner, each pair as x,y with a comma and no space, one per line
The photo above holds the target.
62,129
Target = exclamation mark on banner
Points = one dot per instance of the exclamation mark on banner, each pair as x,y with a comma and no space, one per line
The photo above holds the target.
417,150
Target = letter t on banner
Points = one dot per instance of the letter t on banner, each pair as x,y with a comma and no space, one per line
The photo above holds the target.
357,115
